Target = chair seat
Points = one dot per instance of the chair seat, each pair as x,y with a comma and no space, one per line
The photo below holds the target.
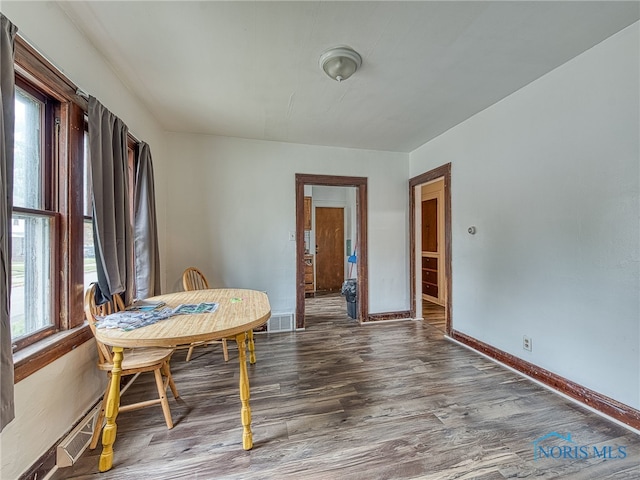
141,358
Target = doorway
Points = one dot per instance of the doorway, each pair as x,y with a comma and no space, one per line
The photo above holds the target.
304,250
430,247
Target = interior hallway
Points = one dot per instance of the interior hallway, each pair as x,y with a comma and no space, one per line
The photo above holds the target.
326,308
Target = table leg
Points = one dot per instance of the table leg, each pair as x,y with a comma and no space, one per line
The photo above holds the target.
111,412
245,412
252,348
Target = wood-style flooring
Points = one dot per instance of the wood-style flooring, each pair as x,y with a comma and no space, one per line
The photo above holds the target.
393,400
434,315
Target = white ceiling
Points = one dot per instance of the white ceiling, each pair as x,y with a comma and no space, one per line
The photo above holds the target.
250,69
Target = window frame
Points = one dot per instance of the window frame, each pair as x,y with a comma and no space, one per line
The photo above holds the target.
48,138
48,208
51,329
66,196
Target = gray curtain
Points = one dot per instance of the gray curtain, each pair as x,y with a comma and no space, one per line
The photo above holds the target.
147,257
7,120
113,239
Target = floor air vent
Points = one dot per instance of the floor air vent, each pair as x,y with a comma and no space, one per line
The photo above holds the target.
281,323
70,449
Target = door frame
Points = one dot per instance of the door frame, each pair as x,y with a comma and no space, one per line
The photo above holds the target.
360,183
444,172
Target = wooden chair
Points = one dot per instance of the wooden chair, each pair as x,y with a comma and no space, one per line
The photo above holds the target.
194,279
136,361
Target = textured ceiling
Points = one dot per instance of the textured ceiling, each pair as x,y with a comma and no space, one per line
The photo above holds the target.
250,69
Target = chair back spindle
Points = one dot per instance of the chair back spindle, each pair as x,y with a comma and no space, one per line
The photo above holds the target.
91,311
194,279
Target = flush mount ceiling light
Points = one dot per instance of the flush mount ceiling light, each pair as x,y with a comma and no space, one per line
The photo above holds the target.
340,62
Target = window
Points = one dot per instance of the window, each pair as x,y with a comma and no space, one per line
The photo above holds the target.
53,259
33,221
89,253
46,291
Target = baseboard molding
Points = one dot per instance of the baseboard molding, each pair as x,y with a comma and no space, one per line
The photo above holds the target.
597,401
376,317
42,466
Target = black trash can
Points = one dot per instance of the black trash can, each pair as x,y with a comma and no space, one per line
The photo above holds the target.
349,290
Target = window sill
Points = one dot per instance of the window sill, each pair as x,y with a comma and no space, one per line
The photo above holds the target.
34,357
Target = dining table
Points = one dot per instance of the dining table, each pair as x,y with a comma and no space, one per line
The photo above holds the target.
238,312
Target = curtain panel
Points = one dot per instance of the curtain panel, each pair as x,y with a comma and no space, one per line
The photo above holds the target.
113,239
7,119
147,256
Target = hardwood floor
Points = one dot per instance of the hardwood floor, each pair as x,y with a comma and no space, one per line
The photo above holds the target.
434,315
326,308
393,400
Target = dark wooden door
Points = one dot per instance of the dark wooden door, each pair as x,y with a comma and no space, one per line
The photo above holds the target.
329,249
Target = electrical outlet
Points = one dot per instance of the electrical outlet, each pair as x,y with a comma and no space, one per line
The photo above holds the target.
527,344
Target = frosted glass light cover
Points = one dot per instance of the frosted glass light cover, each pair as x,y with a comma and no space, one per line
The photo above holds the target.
340,63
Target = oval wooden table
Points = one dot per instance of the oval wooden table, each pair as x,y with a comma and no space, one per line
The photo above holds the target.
239,312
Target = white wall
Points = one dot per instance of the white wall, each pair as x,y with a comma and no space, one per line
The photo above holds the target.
550,178
50,401
232,204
